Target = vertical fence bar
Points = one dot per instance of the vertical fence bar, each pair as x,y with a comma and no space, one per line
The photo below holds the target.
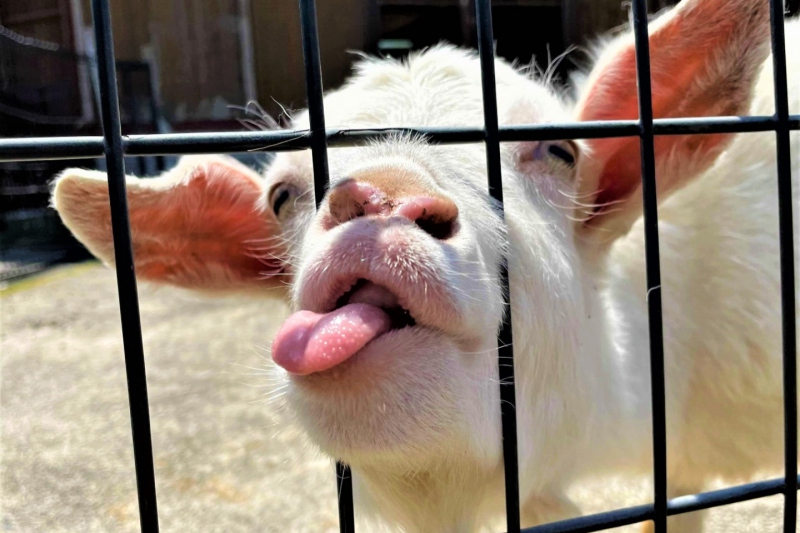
126,276
344,490
653,265
316,111
785,229
319,156
508,399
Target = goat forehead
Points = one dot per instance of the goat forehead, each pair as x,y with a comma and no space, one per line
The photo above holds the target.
458,170
440,87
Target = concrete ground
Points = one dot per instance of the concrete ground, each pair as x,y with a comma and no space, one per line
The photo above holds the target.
225,461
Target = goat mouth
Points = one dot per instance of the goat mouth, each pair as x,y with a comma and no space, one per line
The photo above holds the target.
366,292
309,342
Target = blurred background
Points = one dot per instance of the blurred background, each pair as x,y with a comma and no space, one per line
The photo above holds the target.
201,65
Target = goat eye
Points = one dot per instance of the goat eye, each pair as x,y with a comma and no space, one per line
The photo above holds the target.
278,198
562,152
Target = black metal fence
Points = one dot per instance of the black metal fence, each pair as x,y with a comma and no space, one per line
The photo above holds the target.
317,138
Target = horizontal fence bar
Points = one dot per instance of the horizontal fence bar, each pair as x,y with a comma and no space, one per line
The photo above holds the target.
681,505
48,148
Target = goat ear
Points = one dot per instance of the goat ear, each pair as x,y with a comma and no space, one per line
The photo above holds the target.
705,57
203,225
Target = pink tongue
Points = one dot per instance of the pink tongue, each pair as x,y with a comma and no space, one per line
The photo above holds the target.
313,342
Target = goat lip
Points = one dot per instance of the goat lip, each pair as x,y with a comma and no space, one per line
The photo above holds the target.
367,252
399,301
367,292
355,313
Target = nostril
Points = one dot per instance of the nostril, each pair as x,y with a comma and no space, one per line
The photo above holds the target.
351,199
437,228
435,216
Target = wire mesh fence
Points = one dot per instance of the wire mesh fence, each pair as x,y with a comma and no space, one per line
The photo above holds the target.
114,147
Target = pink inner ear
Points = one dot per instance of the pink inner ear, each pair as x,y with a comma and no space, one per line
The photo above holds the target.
206,232
615,183
703,60
678,71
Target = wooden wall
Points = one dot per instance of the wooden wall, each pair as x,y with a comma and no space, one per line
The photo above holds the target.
196,43
343,25
199,52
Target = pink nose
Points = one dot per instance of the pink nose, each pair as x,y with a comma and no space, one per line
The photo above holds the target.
353,199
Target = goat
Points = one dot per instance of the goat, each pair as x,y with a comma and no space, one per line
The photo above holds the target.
390,359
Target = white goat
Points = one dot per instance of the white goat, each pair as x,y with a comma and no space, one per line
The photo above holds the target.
392,356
